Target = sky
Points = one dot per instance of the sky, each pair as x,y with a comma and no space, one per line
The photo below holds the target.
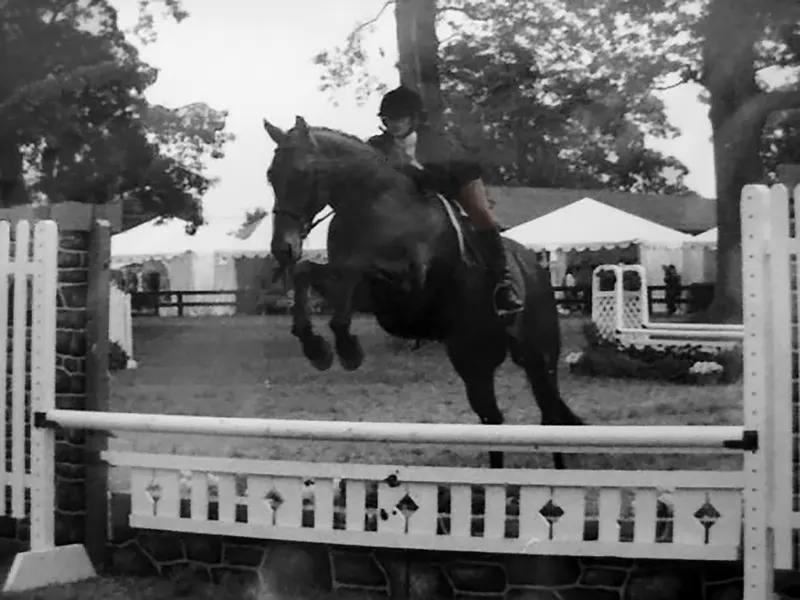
254,60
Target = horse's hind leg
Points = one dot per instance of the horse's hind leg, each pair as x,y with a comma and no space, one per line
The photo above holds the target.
476,369
315,347
351,355
542,375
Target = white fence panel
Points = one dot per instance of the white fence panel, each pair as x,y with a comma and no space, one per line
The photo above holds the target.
120,322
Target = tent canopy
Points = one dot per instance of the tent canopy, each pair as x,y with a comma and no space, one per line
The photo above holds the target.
707,236
156,240
591,225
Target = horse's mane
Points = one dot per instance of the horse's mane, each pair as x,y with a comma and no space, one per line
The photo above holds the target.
334,143
343,156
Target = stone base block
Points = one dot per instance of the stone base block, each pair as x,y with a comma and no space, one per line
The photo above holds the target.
53,566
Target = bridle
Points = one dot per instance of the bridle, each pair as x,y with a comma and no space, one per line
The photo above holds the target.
305,225
305,229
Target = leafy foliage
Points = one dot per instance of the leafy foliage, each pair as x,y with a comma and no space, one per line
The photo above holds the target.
254,216
117,357
74,124
536,123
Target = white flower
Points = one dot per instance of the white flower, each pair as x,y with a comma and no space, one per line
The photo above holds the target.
573,358
705,368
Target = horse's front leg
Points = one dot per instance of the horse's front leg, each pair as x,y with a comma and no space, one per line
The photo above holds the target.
315,347
351,355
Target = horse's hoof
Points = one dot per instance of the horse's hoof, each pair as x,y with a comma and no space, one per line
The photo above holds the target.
351,355
318,351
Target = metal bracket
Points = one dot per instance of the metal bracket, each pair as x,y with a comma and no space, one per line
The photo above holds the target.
748,442
40,421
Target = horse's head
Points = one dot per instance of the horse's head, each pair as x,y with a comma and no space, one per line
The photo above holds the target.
296,199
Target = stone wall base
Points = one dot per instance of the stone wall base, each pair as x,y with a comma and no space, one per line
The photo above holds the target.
303,569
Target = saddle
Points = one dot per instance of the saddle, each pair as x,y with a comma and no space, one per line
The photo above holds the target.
430,185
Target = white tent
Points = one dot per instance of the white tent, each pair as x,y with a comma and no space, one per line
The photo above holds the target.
700,257
591,225
192,262
707,236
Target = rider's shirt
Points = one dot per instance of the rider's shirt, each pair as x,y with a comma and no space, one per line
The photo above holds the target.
408,147
447,165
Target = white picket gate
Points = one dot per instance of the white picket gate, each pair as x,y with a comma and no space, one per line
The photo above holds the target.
748,511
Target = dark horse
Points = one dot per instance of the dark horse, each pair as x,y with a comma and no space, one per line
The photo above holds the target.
403,244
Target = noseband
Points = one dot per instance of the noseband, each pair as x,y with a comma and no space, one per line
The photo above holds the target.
306,225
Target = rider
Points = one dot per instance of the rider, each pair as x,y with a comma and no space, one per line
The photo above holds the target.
408,139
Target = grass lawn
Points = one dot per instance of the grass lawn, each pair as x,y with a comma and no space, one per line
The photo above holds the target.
253,367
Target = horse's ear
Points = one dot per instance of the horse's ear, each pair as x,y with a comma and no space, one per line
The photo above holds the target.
301,124
304,131
277,134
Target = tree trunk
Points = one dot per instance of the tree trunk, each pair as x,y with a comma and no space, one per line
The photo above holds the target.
13,191
729,76
418,49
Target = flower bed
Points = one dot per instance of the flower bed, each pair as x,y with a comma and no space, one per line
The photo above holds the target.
685,363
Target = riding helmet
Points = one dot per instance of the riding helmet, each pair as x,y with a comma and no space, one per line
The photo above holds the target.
401,102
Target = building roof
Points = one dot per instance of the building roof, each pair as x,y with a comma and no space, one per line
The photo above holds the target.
690,214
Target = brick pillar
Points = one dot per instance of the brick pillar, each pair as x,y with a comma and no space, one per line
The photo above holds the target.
71,346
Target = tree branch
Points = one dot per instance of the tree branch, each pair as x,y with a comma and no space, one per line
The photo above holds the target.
469,12
361,26
687,75
663,88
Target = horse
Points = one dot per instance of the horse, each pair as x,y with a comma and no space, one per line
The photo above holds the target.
413,253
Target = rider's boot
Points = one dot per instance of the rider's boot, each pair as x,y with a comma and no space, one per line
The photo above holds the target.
506,297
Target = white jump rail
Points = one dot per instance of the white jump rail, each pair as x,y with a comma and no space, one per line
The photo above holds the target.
714,327
655,331
586,439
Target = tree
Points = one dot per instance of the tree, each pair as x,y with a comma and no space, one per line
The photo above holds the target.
739,37
533,123
418,47
74,124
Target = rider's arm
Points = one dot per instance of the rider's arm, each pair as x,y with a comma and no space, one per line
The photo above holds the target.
463,168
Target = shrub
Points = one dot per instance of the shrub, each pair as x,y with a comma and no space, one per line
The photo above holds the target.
117,357
685,363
